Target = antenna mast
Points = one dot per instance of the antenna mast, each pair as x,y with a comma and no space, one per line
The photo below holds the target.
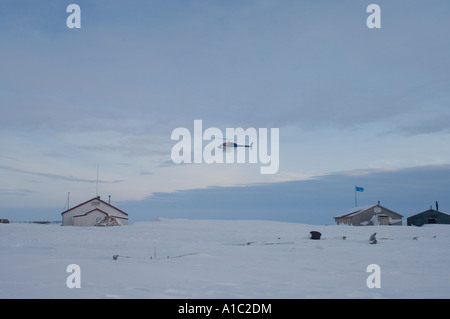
66,205
96,190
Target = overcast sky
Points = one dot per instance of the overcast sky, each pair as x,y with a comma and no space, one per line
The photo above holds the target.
345,98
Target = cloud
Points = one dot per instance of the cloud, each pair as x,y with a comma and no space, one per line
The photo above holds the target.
169,163
58,176
16,192
256,64
113,91
314,200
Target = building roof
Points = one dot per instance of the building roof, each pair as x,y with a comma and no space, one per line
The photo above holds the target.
429,211
354,211
92,199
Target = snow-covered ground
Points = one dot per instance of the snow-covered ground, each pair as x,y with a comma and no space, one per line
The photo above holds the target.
223,259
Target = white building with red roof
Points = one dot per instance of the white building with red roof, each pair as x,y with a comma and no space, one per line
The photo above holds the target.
92,212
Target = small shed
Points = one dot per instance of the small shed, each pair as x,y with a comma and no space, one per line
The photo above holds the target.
92,212
369,215
315,235
430,216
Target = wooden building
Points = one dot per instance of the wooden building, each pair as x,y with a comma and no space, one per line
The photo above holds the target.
431,216
91,212
368,216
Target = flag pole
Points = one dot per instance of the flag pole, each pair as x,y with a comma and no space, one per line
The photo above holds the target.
357,189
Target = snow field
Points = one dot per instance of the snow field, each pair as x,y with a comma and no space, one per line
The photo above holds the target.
223,259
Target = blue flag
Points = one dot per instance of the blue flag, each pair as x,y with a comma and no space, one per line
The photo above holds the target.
359,189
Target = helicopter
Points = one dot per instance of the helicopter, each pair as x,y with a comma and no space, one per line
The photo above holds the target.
229,145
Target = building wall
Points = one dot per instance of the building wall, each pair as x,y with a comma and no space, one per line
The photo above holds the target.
364,216
425,217
343,220
88,219
368,217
